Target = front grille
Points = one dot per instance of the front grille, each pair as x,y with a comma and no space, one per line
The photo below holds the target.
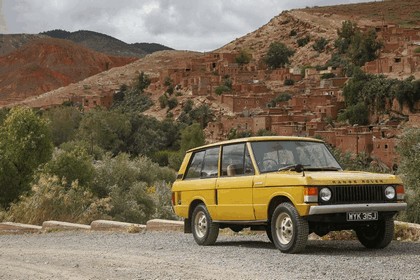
357,194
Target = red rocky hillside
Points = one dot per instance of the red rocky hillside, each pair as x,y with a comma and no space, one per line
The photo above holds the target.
47,64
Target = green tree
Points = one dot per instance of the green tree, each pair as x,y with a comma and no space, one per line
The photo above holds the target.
134,98
409,150
107,129
244,57
192,136
278,55
71,166
356,114
25,143
63,123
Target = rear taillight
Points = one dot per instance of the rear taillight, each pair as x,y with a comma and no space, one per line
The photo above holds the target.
400,192
173,199
310,194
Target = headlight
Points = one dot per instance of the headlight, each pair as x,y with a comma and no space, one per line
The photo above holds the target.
325,194
390,192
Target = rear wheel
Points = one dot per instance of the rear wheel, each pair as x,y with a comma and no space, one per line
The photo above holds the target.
204,230
376,235
288,230
268,231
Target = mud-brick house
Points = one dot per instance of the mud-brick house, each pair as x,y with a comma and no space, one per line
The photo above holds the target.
308,102
414,120
312,127
356,139
91,101
220,129
328,136
239,103
384,149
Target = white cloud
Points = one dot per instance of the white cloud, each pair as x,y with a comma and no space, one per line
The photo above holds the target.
182,24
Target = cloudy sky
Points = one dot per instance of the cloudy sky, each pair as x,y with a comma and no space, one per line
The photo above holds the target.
199,25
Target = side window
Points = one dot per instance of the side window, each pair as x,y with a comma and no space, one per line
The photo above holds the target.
204,164
210,165
194,170
236,160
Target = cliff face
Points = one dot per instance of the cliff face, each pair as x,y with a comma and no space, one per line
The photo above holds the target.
46,64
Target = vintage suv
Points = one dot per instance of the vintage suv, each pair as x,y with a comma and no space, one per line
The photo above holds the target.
287,186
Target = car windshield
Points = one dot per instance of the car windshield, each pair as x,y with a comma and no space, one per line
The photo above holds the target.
285,155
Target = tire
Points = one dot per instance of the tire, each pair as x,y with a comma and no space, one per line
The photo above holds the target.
376,235
289,230
268,231
204,230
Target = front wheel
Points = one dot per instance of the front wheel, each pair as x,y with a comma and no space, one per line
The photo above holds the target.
289,230
376,235
204,230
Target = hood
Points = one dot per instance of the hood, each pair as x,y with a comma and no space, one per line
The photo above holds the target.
316,178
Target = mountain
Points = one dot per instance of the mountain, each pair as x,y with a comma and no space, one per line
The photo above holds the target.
12,42
198,70
106,44
45,64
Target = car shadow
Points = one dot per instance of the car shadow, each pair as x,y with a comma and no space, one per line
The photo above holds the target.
333,247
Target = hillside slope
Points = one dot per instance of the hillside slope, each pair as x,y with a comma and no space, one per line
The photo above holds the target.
46,64
106,44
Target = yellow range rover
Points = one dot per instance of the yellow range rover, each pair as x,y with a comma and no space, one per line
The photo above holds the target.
287,186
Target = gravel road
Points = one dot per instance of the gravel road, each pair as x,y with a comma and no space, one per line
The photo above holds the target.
174,255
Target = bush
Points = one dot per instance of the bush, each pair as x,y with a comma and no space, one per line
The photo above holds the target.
303,41
327,76
289,82
52,199
243,57
320,44
409,151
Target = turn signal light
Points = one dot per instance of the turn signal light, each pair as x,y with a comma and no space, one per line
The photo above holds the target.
400,192
310,194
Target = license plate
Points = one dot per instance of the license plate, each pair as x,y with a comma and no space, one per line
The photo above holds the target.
362,216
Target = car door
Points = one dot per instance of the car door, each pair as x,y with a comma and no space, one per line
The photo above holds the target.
234,185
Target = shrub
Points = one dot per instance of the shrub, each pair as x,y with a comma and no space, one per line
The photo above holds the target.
327,76
303,41
243,57
409,151
320,44
289,82
52,199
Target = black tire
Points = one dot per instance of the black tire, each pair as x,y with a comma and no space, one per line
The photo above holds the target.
204,230
376,235
268,231
289,230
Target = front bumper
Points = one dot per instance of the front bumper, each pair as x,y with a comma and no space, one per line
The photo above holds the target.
343,208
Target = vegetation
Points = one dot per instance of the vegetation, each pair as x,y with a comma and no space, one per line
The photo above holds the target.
244,57
226,86
320,44
409,150
354,47
25,143
278,55
377,93
303,41
279,98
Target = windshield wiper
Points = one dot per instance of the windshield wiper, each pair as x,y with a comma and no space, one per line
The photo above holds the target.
296,167
324,168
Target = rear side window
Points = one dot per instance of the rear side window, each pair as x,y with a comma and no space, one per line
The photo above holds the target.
236,160
204,164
